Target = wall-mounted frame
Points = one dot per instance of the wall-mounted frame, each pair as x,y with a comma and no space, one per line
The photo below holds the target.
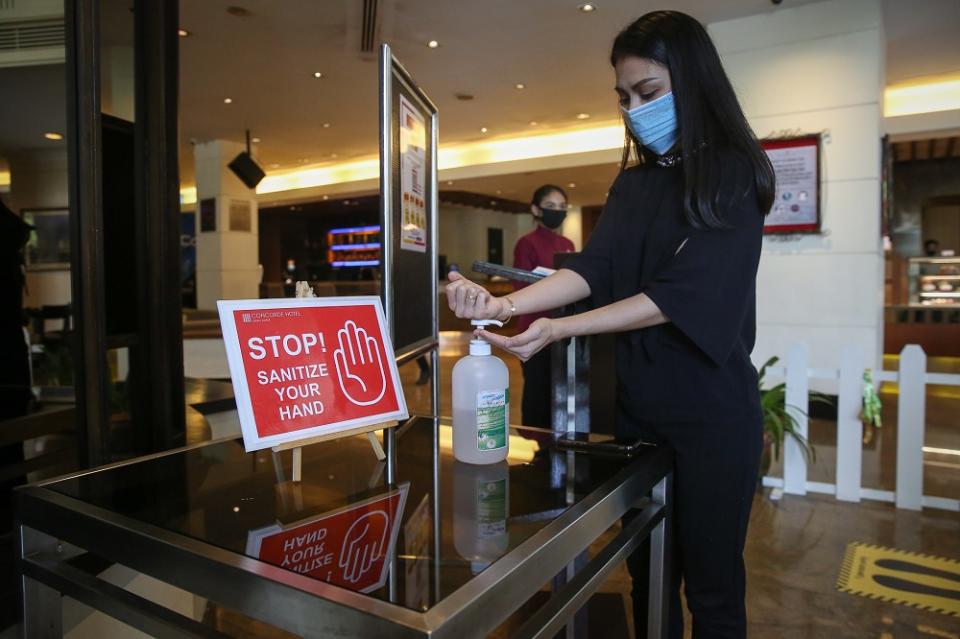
796,163
49,246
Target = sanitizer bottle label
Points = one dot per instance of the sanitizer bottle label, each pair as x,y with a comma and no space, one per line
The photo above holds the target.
492,419
492,508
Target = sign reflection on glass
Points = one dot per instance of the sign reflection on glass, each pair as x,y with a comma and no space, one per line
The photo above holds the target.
350,547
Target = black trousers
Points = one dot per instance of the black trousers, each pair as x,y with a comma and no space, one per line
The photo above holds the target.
535,407
715,478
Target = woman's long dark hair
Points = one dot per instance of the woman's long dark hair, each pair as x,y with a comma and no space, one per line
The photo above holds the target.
709,116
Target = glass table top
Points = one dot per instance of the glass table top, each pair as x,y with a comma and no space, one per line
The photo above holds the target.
407,543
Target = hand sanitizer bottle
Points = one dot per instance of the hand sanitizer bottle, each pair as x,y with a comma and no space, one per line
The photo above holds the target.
481,404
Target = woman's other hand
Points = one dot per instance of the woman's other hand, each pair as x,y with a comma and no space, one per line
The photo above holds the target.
541,334
471,301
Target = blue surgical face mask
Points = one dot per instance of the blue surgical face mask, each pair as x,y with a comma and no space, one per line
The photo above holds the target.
654,123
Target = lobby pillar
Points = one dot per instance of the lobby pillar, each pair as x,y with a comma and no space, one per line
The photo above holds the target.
227,236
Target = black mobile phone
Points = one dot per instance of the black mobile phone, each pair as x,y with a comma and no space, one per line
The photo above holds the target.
600,444
508,272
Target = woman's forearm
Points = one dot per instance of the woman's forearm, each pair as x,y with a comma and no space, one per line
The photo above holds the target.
629,314
562,288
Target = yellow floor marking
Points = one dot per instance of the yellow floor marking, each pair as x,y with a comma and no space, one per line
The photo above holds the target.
897,576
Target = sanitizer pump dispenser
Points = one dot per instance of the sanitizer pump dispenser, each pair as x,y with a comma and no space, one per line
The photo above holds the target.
481,404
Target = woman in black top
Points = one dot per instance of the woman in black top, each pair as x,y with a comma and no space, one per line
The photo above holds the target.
671,268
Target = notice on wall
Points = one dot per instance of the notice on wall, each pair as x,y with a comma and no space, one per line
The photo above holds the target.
413,167
308,367
796,208
351,547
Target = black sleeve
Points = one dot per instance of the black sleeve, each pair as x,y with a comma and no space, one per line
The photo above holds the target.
593,263
706,289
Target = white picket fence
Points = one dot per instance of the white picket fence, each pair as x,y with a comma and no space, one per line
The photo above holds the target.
912,378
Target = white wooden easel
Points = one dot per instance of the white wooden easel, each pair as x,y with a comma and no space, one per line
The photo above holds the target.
305,290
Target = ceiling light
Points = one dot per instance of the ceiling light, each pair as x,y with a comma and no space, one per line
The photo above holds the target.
333,155
499,191
255,140
326,125
583,116
572,185
483,129
275,165
449,182
493,203
587,7
228,100
433,44
326,197
53,136
317,74
183,33
520,85
465,97
935,94
533,123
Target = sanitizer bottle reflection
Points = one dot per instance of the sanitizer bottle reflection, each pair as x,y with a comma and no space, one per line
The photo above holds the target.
482,508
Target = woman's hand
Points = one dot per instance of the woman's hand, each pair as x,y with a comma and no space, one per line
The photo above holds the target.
471,301
541,334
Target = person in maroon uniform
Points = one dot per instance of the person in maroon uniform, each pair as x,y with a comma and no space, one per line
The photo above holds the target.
537,248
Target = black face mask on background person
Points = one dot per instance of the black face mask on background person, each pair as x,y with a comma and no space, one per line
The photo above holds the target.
552,218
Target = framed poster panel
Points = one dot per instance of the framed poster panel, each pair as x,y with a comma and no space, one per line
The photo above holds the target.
408,207
796,163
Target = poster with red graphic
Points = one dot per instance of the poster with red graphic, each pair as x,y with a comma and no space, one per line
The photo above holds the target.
307,367
350,547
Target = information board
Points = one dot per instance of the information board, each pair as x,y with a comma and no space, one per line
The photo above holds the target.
408,207
309,367
796,163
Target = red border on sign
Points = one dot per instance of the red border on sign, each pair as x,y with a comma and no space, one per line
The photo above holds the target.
310,367
809,140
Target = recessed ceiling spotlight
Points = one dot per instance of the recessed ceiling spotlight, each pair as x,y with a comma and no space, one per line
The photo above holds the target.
533,123
583,116
326,125
464,97
333,155
572,185
499,191
238,12
433,44
317,74
587,7
520,85
326,197
449,182
275,165
483,129
255,140
183,33
228,100
53,136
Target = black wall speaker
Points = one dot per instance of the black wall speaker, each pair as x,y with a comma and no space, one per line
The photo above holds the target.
247,170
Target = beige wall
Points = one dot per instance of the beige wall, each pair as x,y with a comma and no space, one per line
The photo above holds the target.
819,68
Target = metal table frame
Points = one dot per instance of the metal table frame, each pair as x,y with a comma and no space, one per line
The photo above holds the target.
48,520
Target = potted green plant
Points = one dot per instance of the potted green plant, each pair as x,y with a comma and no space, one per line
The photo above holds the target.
780,420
